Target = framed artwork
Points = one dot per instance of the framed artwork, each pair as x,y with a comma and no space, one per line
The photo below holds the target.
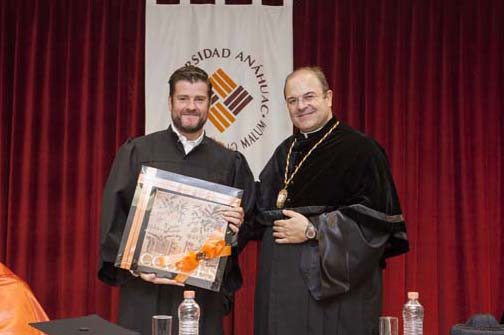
175,228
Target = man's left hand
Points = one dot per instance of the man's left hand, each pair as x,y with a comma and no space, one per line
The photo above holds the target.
290,230
235,216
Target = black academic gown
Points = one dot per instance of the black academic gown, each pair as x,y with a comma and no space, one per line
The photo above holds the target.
139,300
333,285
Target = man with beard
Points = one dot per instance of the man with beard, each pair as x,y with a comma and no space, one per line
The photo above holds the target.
183,148
329,216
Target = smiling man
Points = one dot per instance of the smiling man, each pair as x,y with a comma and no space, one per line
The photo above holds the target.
183,148
189,108
329,216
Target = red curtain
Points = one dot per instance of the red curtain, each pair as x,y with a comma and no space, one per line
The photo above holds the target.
425,78
71,92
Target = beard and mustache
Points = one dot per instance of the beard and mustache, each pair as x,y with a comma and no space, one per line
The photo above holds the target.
190,129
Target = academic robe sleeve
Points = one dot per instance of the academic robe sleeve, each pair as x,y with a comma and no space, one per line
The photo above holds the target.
116,200
354,238
242,179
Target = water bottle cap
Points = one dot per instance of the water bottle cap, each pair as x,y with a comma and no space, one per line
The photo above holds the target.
189,294
412,295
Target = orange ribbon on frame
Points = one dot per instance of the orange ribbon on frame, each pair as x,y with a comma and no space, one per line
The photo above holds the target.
212,248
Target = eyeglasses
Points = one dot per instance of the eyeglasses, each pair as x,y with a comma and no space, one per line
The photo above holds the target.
307,98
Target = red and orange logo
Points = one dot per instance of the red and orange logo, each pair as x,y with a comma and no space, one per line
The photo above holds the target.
228,100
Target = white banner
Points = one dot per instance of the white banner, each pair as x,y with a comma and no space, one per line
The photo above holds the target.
247,52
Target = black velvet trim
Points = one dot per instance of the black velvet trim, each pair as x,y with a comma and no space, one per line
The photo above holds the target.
266,218
373,223
397,247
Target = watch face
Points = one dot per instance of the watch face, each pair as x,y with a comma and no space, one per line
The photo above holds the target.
310,232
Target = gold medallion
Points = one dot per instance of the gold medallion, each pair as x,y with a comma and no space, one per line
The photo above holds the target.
282,196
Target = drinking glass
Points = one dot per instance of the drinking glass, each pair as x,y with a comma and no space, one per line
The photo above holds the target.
161,325
389,325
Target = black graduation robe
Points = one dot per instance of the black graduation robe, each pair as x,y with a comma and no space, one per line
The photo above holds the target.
333,285
140,300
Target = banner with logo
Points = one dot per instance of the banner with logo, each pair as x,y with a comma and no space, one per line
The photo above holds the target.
247,52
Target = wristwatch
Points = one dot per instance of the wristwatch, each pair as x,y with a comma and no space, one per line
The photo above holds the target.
311,232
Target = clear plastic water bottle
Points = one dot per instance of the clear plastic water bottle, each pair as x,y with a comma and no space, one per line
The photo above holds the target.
413,314
188,314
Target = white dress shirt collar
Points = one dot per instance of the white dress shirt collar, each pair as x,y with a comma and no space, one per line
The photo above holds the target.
188,145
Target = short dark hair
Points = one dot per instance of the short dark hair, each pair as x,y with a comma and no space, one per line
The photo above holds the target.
317,71
191,74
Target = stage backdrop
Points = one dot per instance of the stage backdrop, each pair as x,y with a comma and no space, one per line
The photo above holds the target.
245,49
424,77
